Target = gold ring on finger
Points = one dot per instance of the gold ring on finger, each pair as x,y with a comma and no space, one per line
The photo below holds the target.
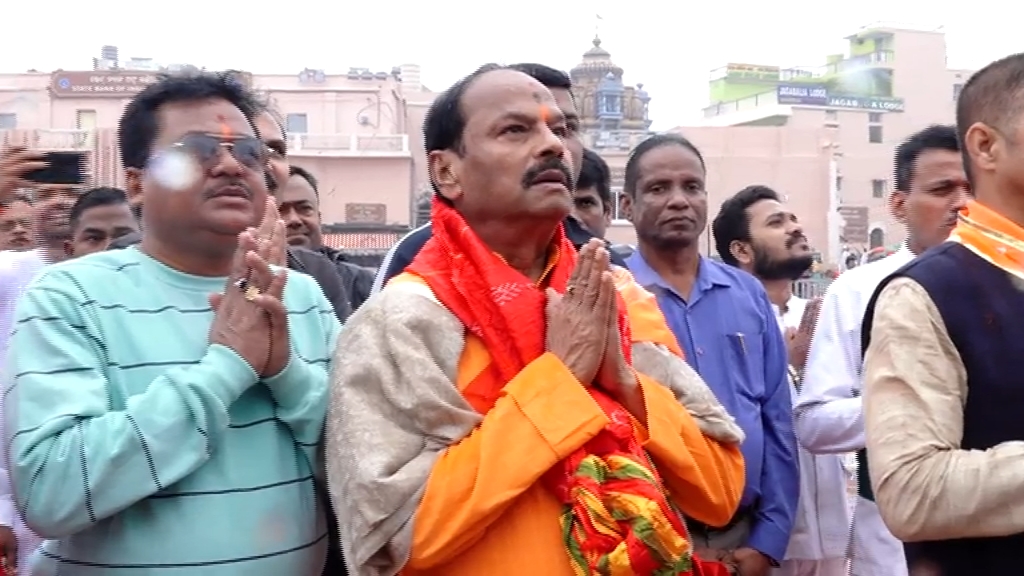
251,293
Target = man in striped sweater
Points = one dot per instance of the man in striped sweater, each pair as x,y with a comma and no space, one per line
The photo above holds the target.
165,402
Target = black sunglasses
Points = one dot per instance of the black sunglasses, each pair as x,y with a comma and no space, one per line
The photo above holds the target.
248,151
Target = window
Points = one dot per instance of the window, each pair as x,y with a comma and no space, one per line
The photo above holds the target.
957,89
8,121
85,119
831,116
296,124
874,117
878,188
875,134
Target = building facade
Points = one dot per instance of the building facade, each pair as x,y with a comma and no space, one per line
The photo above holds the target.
893,82
824,137
615,119
359,133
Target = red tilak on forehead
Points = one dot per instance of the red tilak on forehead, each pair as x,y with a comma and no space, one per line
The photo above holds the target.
225,130
545,113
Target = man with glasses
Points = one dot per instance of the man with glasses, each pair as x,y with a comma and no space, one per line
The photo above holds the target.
167,400
306,261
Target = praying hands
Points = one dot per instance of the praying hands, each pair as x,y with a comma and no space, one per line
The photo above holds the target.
583,329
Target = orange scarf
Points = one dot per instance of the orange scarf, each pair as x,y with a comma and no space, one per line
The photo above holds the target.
991,236
617,517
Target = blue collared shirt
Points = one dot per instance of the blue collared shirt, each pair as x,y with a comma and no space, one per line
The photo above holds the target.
728,330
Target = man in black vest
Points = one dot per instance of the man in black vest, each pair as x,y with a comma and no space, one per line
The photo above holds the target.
947,465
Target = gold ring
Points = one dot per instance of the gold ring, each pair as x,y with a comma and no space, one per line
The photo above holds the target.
251,292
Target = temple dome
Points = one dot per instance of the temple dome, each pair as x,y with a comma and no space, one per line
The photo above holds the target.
596,63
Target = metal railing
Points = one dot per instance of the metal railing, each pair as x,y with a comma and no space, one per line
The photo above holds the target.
49,139
809,288
766,98
345,144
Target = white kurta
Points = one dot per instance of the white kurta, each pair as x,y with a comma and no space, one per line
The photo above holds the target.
830,417
17,269
821,529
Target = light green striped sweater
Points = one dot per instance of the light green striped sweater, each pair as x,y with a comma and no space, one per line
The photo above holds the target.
140,449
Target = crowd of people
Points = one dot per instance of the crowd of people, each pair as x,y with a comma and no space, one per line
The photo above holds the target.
193,383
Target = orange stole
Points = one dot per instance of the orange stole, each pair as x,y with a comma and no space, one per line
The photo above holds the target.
646,322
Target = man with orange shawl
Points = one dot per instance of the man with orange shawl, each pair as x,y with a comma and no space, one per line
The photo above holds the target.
509,407
944,341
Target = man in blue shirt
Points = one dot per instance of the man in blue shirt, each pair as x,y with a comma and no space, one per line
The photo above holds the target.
722,318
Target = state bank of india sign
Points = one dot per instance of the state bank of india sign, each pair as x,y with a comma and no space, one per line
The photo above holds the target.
99,84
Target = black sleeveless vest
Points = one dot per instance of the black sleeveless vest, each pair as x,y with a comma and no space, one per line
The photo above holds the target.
983,312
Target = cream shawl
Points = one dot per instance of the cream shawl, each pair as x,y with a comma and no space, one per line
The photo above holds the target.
394,407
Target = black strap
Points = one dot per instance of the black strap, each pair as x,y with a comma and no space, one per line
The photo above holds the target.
864,489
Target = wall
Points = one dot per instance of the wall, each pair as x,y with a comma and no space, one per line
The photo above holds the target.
790,160
353,142
921,79
361,181
27,96
919,76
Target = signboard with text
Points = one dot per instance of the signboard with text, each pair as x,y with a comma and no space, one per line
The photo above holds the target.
112,83
365,213
873,103
806,94
818,95
752,72
100,83
855,224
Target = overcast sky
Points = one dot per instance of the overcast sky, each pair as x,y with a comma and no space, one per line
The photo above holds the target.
668,47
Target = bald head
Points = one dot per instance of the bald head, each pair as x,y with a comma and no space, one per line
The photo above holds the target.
446,120
993,97
532,97
496,148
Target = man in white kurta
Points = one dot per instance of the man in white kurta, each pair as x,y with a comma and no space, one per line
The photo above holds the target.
830,418
930,189
16,270
820,540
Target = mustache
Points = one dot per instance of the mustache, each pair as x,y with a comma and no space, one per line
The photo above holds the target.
794,238
221,184
530,178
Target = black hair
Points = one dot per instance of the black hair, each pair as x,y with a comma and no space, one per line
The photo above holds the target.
264,106
139,123
656,141
993,96
94,198
934,137
595,173
733,223
546,75
445,123
301,172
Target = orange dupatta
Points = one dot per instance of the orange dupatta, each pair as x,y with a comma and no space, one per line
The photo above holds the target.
991,236
617,517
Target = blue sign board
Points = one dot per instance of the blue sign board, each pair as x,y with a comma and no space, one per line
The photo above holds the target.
806,94
818,95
